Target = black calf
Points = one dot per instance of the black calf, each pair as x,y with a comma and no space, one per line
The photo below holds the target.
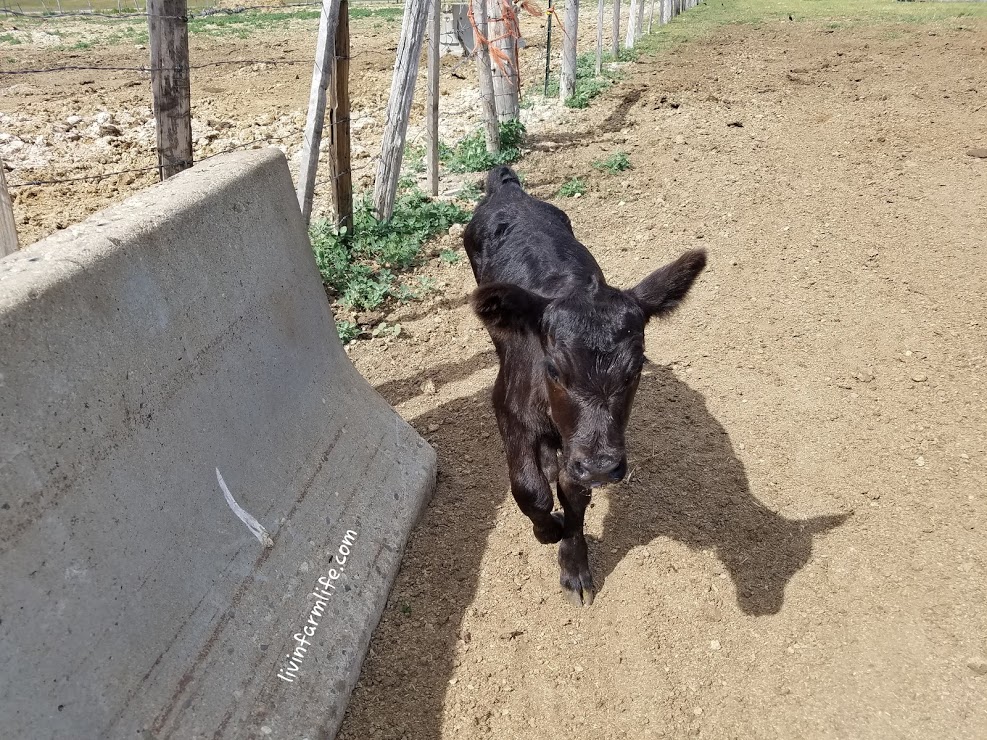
571,349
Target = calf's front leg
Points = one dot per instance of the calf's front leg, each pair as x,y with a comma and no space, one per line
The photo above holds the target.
576,578
533,493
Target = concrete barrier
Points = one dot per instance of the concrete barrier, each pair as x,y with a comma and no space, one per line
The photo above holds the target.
179,336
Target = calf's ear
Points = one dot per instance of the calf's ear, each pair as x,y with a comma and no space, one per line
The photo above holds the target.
663,290
505,308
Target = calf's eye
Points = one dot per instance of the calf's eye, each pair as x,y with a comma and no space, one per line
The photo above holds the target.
552,371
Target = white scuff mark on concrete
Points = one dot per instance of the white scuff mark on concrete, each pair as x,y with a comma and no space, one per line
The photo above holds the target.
255,527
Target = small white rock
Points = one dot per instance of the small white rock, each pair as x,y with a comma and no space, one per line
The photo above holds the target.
714,645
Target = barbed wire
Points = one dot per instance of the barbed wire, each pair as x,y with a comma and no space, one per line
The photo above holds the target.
175,68
261,139
103,175
130,16
100,176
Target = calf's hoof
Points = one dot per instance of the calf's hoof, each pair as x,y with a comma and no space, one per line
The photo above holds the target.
578,591
551,533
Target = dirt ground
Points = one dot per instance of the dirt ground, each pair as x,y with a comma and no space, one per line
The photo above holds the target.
78,123
799,549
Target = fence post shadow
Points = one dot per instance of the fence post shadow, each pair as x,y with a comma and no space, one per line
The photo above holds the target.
687,484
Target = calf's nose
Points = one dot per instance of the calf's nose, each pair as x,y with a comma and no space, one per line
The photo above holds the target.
599,470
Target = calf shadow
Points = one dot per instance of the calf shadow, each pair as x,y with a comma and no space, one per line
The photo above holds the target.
687,484
692,488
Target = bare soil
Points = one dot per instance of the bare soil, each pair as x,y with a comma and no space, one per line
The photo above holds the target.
799,549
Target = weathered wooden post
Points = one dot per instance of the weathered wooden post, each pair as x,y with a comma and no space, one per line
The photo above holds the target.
339,120
505,75
615,34
399,106
599,39
490,122
567,76
432,106
631,35
8,229
167,26
322,73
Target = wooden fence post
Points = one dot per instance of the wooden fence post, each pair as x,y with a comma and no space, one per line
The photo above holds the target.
432,108
321,75
505,79
615,35
491,124
399,106
167,25
8,229
339,124
567,76
599,39
631,35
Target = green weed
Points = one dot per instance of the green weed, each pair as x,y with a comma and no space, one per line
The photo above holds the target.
470,154
450,256
347,330
9,38
573,187
363,269
414,158
588,85
616,162
470,192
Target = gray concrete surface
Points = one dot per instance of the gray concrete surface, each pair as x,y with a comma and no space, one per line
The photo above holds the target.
181,332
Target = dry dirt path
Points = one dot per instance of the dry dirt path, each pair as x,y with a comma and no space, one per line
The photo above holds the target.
800,550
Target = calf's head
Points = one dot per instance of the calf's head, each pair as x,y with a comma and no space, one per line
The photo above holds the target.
592,352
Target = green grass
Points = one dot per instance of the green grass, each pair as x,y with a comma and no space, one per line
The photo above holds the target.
368,267
830,14
470,154
588,85
572,188
9,38
615,163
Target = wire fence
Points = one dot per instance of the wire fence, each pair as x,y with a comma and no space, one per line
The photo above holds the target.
127,15
176,68
296,134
